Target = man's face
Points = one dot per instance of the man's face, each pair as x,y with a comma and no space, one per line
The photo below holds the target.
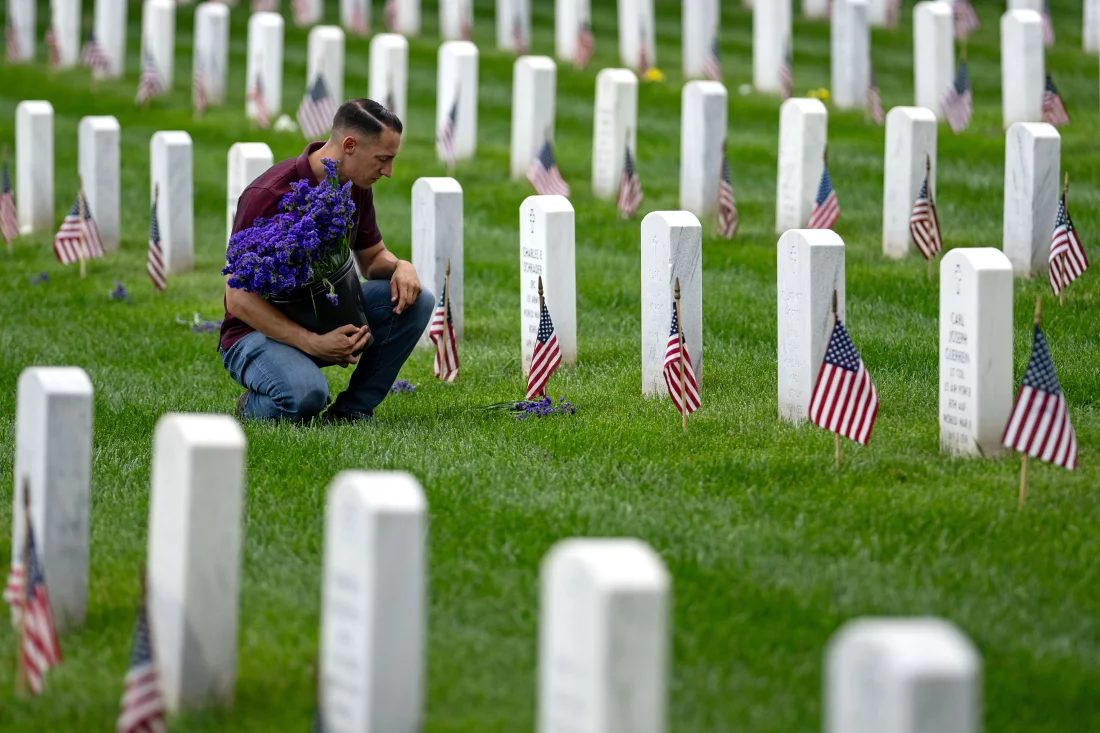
366,160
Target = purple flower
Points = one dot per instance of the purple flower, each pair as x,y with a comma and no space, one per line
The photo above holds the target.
544,407
39,278
119,293
402,385
332,298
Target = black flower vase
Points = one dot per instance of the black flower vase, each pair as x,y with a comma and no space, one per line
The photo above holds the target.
310,309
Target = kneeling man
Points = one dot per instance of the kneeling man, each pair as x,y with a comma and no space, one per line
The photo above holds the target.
277,360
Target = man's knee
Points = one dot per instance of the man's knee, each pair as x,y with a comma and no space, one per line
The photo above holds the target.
423,308
305,399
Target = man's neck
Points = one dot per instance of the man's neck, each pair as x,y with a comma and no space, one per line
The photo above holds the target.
328,150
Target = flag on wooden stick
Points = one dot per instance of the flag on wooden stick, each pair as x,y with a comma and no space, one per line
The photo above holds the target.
874,101
38,648
544,174
644,62
712,63
924,223
301,11
1067,258
1054,109
94,57
678,371
155,260
357,21
547,353
519,40
9,218
826,211
585,46
199,97
728,219
389,15
958,101
141,709
259,103
53,53
786,73
78,238
317,110
630,187
11,39
966,19
1048,25
149,84
844,400
445,138
441,331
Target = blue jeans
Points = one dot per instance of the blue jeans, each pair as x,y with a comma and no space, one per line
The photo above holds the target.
284,383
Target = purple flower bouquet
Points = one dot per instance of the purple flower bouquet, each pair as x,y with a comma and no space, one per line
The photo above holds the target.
301,254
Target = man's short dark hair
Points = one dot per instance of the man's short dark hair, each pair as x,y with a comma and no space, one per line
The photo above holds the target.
365,117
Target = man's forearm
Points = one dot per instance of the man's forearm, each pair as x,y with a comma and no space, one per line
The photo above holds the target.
379,265
267,319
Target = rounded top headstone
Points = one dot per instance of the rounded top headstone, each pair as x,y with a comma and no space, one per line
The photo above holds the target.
265,18
219,431
912,113
438,184
459,48
624,76
548,204
538,63
56,380
805,105
389,40
35,106
212,8
621,563
673,218
380,491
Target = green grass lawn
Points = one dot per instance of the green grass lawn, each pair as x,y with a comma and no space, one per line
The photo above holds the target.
769,549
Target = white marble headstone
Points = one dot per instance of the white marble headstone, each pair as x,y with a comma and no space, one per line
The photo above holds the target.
456,19
534,86
546,247
99,170
615,126
933,53
910,141
53,455
1036,5
702,23
637,34
702,136
67,20
458,77
513,25
1023,76
110,33
373,603
604,638
158,38
355,16
851,54
1033,152
194,558
247,162
975,350
817,8
325,57
389,72
211,49
265,61
569,17
902,675
810,265
1090,33
803,132
22,17
771,40
34,165
437,239
170,166
672,247
407,17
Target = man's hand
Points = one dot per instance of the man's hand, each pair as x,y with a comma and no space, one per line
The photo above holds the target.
404,286
337,346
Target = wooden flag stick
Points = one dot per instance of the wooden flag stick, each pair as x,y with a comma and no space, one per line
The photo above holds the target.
447,295
20,669
80,209
836,436
683,378
1023,465
1065,257
931,204
4,161
541,302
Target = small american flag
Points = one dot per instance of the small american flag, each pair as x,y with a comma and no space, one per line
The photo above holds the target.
966,19
585,46
924,224
893,12
546,358
445,139
94,57
1048,25
1039,424
1054,109
1067,256
302,12
199,98
40,651
728,219
149,85
9,219
142,707
544,174
53,53
466,22
786,73
259,103
11,40
265,6
155,263
826,209
316,111
957,101
674,350
14,591
844,399
712,64
357,22
441,331
644,63
874,101
389,15
74,242
630,188
519,40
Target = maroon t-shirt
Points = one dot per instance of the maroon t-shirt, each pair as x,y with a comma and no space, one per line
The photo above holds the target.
261,198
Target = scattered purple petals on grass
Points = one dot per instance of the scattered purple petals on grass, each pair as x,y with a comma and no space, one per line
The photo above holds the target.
198,325
402,385
543,408
119,293
39,278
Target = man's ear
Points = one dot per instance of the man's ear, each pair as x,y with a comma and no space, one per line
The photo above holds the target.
348,144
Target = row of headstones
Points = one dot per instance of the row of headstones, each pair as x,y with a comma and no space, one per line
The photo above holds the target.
604,633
